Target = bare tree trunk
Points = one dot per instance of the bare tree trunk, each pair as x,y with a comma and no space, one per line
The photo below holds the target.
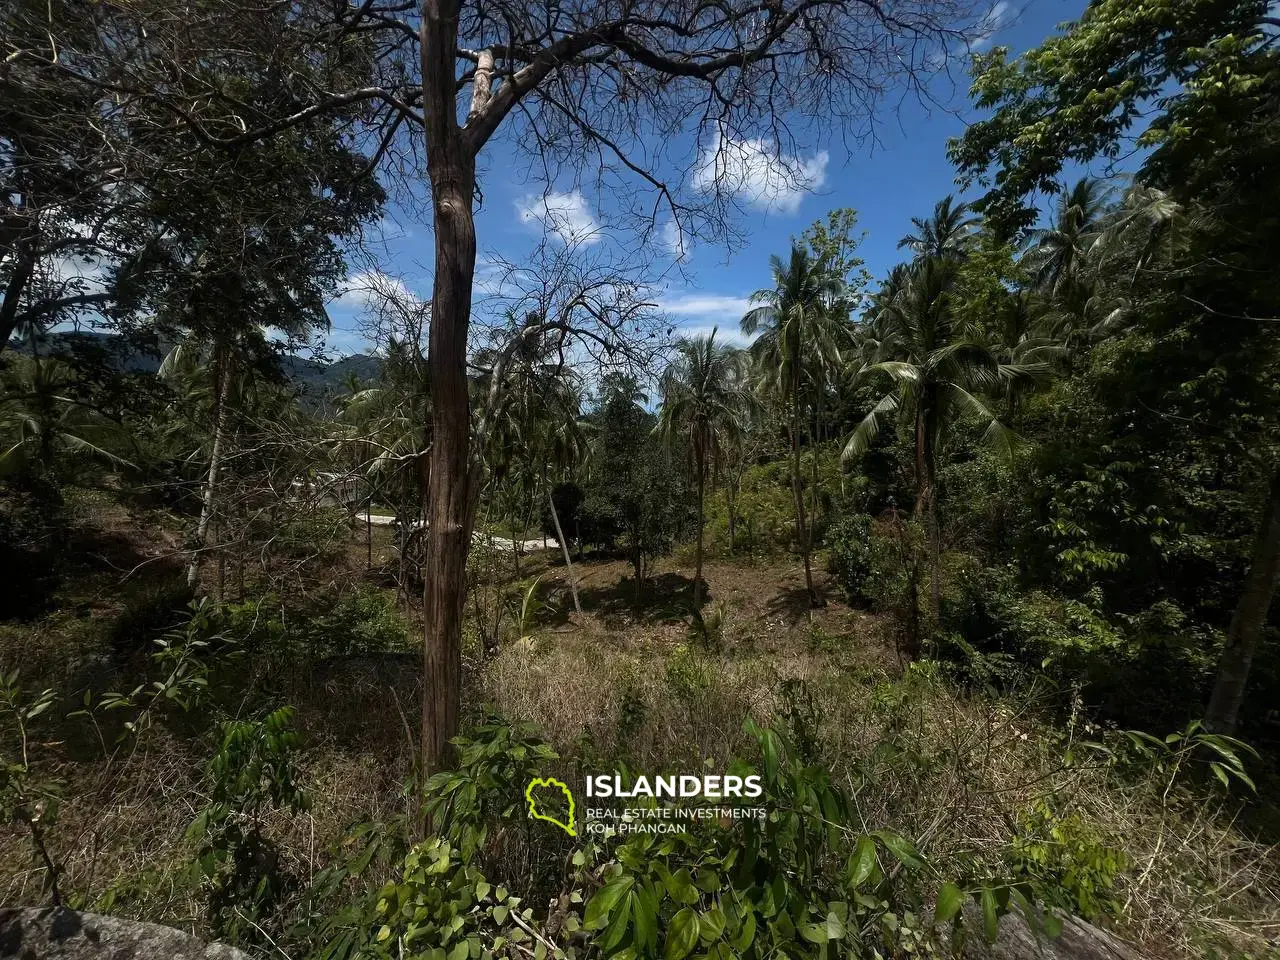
1223,712
451,488
222,378
24,268
564,548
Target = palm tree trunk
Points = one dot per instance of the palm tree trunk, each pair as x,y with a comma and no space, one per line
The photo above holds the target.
564,548
935,560
699,455
222,385
798,495
729,497
1223,712
813,473
930,492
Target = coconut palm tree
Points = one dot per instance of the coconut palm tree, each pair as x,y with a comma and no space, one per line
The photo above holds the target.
798,333
947,233
1057,253
704,399
939,370
42,419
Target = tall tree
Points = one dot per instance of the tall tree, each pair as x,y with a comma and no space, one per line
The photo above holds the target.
798,333
704,400
939,368
1057,252
1213,69
947,232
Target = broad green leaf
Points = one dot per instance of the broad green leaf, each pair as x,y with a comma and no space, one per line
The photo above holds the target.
682,935
711,924
902,848
862,862
747,933
645,911
618,925
950,899
990,922
814,932
680,886
606,898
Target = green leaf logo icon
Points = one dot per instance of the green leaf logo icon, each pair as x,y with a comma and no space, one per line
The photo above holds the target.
549,783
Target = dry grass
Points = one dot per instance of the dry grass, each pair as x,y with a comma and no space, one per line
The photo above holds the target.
953,772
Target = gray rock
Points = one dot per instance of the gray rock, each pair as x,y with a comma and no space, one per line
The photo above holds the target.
1017,941
37,933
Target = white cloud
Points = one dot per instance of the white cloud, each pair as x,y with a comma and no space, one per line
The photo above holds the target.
706,305
729,334
369,288
759,173
997,18
697,314
567,215
675,242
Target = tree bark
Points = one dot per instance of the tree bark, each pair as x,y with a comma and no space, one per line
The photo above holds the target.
729,497
564,548
222,379
700,465
25,257
926,501
813,470
451,493
1250,617
797,493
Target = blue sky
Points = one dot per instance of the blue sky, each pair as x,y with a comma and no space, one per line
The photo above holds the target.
901,176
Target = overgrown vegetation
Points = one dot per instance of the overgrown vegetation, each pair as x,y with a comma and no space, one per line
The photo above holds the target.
972,564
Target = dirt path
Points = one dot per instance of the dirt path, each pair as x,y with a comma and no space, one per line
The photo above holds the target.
502,543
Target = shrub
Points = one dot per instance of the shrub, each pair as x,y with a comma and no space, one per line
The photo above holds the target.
362,621
251,773
151,607
687,673
1068,860
850,550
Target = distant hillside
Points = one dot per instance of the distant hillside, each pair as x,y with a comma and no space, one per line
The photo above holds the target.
315,377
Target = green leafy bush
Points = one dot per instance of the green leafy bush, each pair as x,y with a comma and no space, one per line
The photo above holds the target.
1148,668
495,762
151,607
364,620
849,555
442,907
797,883
251,773
1071,863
